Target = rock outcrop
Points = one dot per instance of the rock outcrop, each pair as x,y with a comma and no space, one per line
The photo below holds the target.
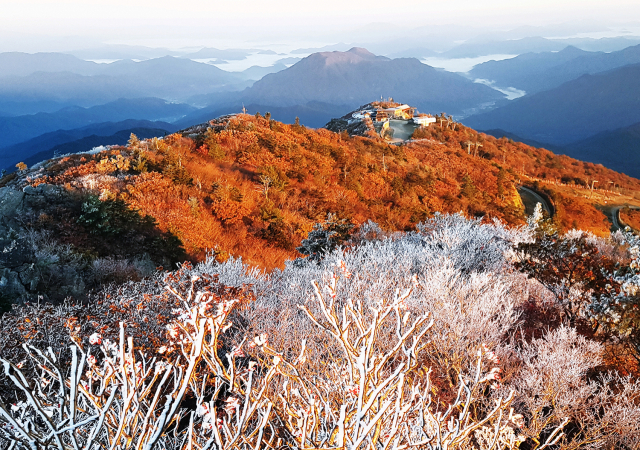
28,269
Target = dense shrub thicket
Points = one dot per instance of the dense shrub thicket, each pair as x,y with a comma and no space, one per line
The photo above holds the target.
460,335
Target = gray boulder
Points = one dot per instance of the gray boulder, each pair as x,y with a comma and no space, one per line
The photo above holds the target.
10,202
10,284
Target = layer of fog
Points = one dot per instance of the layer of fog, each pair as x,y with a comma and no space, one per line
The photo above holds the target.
511,92
462,65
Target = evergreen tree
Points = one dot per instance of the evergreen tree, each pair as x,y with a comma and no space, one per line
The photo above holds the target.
469,189
325,237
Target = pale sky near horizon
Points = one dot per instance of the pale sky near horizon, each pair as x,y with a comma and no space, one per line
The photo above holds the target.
199,22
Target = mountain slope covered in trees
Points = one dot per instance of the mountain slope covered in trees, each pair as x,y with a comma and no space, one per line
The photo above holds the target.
244,184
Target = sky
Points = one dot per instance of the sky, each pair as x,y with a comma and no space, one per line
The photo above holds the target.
39,24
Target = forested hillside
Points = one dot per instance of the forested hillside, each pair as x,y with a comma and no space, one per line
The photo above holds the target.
252,187
216,273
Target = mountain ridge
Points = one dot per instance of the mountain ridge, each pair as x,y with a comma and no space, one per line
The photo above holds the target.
537,72
22,128
168,77
618,149
573,111
25,151
352,78
86,143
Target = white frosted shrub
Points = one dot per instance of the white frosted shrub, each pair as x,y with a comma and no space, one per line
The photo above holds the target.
457,267
367,393
408,340
107,269
550,377
442,256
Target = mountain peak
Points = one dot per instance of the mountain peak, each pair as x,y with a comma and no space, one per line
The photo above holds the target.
572,50
352,56
356,76
363,52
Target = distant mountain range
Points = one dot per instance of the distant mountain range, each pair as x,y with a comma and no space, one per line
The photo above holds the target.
355,77
311,114
324,84
579,103
573,111
617,149
504,47
18,64
257,72
57,141
87,143
65,79
21,128
572,94
536,72
123,51
226,54
536,44
499,133
438,41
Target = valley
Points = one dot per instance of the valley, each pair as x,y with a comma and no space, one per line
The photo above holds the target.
576,87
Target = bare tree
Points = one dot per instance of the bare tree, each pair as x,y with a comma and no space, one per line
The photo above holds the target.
265,184
478,144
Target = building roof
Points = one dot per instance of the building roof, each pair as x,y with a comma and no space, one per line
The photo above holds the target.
397,108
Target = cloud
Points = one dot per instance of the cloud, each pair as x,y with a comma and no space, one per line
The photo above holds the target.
191,21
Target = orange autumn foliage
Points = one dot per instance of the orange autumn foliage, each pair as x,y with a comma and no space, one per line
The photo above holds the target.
630,217
251,187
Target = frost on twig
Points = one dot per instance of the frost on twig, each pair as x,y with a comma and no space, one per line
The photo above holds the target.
407,341
372,393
